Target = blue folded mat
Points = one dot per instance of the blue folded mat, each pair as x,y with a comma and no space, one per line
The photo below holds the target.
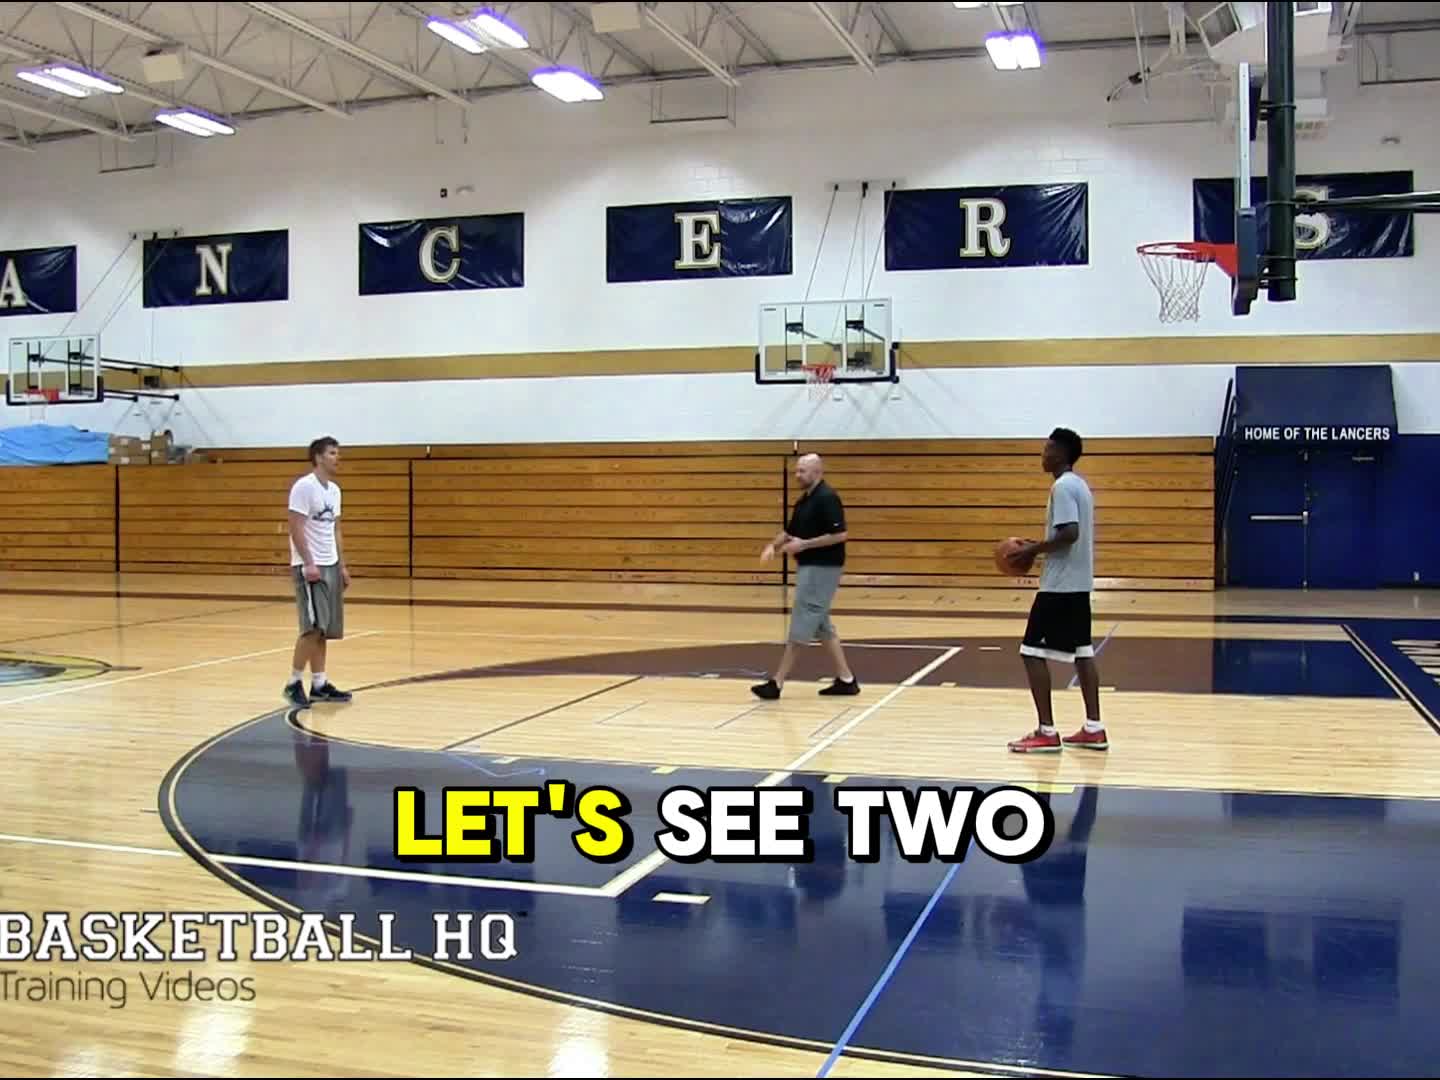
52,444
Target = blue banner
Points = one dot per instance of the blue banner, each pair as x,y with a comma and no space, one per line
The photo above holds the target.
37,281
227,268
438,254
703,239
987,227
1336,235
1305,404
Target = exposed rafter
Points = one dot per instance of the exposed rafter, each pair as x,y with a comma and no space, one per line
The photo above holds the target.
842,35
889,29
295,23
689,48
139,91
758,45
582,22
135,30
492,56
294,59
35,106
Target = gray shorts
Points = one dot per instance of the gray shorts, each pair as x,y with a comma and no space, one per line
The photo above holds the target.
815,588
321,604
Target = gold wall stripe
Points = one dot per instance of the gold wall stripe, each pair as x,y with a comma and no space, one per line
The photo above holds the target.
1050,352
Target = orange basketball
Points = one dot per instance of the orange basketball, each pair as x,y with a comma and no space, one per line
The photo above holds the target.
1006,560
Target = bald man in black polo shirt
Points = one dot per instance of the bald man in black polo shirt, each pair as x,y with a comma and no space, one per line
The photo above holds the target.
816,536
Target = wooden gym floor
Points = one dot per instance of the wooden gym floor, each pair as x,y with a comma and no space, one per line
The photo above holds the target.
1241,885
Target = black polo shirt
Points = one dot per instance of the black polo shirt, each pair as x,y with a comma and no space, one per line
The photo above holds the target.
818,514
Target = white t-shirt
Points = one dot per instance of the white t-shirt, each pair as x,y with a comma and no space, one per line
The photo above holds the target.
320,503
1071,569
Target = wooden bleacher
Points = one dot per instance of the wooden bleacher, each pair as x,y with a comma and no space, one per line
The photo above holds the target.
231,517
60,519
921,512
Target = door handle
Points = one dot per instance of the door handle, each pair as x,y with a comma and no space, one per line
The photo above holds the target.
1278,517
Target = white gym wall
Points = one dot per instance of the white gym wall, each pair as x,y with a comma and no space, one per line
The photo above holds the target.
931,124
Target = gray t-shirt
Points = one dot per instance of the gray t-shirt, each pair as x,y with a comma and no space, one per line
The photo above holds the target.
1072,569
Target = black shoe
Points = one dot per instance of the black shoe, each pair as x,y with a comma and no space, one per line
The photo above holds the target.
295,695
841,688
767,690
329,692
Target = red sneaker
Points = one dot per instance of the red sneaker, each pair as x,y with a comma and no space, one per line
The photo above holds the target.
1037,743
1088,740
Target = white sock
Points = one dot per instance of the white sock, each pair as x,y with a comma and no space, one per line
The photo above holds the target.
319,680
1094,725
296,676
1047,729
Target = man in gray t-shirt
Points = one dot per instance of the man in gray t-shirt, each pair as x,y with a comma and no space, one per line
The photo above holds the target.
1059,626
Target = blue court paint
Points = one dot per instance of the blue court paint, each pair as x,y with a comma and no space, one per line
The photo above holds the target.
1166,932
1075,679
889,972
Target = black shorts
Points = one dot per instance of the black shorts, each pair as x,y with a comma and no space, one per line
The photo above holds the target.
1059,627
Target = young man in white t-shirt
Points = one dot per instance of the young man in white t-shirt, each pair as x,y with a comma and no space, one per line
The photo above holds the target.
317,566
1059,626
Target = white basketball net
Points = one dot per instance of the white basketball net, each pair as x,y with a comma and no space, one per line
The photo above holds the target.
1178,275
820,377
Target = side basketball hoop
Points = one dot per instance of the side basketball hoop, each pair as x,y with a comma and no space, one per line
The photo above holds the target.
820,378
1177,270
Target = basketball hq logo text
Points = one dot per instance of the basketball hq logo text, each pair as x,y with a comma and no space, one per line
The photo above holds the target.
723,824
176,937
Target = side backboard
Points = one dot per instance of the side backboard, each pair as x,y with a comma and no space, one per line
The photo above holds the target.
854,336
1247,84
54,370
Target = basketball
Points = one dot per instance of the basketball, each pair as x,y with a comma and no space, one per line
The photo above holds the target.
1006,560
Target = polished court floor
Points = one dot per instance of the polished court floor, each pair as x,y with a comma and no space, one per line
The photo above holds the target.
1242,885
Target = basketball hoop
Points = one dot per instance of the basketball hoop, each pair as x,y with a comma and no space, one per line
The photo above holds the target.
820,378
1177,270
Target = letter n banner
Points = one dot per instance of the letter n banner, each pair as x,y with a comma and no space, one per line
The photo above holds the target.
484,251
987,227
226,268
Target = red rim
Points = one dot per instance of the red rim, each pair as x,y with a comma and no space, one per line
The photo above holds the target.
1194,251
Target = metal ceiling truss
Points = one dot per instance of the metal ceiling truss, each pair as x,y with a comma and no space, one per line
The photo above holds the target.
333,65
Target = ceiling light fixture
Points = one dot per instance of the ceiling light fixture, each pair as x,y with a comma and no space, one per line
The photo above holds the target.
194,123
73,81
567,84
496,32
481,31
456,35
1009,52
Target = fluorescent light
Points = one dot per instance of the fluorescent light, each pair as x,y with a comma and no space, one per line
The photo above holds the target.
85,79
1009,52
1027,50
454,34
40,78
179,123
496,32
567,84
194,123
76,82
1002,52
